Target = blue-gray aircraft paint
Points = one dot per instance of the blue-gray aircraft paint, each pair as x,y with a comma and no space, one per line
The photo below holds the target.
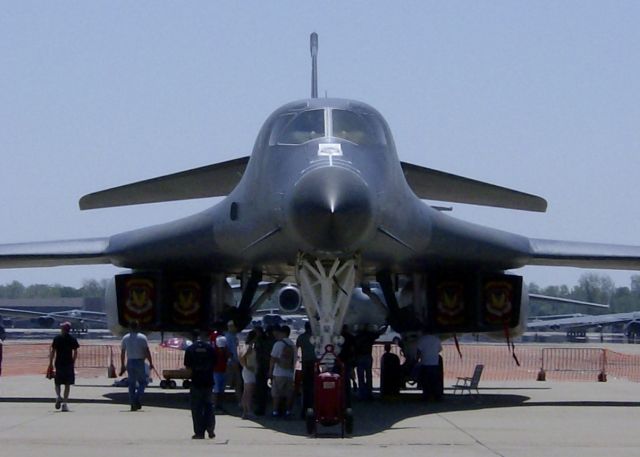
334,194
279,203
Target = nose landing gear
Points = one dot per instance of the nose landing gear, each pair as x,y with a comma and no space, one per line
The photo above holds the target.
326,289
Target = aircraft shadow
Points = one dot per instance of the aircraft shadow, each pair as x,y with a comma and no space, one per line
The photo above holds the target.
370,417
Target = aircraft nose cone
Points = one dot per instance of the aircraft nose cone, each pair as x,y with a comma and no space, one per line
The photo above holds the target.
331,208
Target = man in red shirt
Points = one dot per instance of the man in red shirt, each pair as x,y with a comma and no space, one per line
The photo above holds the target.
219,370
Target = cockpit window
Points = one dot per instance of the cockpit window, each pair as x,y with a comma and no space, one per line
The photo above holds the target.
305,127
278,126
358,128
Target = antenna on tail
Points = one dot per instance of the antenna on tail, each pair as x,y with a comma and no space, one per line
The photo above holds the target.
314,65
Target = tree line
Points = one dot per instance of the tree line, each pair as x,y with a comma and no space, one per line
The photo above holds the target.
591,287
91,288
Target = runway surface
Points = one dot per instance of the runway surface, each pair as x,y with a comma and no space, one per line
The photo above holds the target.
507,419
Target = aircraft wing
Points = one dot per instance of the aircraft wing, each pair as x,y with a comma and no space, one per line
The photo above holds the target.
566,301
215,180
584,321
584,255
431,184
54,253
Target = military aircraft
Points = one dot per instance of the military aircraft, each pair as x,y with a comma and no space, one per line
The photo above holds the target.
579,323
323,202
79,318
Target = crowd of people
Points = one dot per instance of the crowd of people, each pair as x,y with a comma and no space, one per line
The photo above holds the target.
268,356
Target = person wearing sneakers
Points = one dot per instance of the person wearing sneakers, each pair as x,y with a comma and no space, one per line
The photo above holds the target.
282,369
64,350
136,348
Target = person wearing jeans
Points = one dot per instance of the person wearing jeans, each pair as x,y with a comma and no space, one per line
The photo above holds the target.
136,349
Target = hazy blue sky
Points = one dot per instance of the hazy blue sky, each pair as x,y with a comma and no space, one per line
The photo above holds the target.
539,96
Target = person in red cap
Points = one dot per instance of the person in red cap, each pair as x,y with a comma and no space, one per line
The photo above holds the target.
64,349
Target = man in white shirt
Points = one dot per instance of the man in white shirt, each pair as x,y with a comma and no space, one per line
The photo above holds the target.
282,371
429,348
135,346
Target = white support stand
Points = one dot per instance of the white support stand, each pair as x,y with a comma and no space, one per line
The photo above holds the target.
326,292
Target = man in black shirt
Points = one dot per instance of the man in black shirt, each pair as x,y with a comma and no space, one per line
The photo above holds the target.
263,344
64,349
200,358
390,373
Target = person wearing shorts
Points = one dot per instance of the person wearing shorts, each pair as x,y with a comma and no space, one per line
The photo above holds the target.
282,372
249,363
64,350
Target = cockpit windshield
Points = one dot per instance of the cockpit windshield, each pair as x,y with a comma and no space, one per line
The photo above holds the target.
357,128
354,126
307,126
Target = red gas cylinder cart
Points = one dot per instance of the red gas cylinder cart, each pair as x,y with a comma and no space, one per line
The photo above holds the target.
329,397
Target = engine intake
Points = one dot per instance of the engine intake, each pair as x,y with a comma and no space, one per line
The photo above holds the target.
289,299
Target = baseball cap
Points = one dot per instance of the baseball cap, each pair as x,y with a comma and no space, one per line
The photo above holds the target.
66,325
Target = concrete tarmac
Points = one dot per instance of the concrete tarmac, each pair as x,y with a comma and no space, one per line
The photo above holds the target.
507,419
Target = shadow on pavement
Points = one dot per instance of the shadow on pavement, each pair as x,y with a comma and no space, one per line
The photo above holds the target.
370,417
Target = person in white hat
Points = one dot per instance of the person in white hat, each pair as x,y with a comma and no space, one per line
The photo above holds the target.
219,371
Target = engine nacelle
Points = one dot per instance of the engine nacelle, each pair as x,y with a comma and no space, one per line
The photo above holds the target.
168,302
462,302
289,299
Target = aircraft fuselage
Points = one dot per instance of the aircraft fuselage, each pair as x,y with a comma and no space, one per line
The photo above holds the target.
335,194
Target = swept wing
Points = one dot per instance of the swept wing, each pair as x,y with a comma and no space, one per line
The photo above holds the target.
431,184
584,255
55,253
215,180
566,301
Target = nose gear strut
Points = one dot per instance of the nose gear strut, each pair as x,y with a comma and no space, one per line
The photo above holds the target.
326,288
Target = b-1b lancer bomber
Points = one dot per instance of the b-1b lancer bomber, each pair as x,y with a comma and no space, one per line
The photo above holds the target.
325,204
